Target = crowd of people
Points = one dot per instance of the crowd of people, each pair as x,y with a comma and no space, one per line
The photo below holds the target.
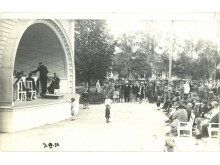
129,91
177,99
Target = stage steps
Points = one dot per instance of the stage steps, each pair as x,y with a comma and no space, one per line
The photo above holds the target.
52,96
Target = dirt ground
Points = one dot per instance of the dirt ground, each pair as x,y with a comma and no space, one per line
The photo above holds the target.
132,128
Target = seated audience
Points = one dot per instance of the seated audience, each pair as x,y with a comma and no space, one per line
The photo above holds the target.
211,117
179,116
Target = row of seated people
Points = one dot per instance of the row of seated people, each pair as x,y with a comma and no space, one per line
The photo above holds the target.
33,90
180,110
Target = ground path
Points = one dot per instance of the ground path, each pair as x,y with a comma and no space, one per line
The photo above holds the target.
131,129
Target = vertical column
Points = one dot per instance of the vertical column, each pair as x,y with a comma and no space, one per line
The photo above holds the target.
72,39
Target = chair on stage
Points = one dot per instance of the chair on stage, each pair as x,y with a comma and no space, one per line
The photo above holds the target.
33,92
56,91
186,126
213,128
21,95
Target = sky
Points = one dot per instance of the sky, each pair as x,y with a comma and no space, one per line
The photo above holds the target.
203,29
197,28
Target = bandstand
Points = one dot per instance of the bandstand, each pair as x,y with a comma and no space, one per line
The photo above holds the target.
23,44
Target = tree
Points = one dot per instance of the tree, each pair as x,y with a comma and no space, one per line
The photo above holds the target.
94,48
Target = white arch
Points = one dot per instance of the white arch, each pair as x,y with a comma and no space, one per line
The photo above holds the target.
10,50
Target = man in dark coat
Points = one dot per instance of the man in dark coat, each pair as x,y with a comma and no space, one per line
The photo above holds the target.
55,84
127,90
43,76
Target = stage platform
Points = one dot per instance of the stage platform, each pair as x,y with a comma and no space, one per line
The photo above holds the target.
29,114
45,101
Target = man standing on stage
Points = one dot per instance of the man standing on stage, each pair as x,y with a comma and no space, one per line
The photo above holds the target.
43,76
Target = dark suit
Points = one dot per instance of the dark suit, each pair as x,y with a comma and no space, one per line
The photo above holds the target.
55,84
43,77
127,90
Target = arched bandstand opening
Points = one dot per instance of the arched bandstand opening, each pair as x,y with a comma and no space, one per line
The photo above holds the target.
40,44
26,44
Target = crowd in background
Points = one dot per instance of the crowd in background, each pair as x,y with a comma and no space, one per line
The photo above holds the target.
129,91
179,99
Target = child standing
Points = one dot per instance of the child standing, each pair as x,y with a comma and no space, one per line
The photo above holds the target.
85,97
73,108
108,103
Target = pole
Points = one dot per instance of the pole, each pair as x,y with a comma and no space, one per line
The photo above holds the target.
171,53
170,56
72,39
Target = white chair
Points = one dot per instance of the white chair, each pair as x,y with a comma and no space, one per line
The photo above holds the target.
186,126
21,95
213,127
56,91
30,86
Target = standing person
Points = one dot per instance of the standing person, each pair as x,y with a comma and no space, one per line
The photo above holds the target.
186,90
73,108
130,94
151,92
121,92
108,103
145,89
111,92
127,90
114,96
134,91
85,97
98,88
43,76
105,89
117,91
141,92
